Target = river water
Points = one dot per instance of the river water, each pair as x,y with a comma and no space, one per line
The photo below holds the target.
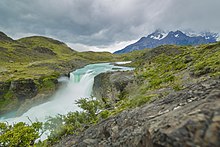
79,85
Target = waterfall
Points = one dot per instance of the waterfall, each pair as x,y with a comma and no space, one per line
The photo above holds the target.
78,86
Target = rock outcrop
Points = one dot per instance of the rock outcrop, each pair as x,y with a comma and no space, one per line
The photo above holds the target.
190,117
23,89
44,50
112,85
14,94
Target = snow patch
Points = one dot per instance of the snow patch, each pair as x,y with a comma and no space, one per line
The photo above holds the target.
159,36
177,35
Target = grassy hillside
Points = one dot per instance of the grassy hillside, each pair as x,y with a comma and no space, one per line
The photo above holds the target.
35,56
170,68
159,72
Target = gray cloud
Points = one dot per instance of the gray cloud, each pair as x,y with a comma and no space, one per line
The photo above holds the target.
105,22
199,15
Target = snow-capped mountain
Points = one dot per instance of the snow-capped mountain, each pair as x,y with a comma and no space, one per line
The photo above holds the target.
178,38
158,34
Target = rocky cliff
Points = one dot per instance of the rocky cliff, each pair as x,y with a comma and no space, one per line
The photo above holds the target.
16,93
190,117
111,86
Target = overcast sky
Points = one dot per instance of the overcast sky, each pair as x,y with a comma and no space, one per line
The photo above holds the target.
105,24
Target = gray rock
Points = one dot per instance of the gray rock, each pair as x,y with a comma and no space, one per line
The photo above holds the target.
112,85
24,89
44,50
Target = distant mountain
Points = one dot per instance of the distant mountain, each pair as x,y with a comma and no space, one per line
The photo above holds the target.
178,38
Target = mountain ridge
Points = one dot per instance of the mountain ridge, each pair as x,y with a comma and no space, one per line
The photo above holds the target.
178,37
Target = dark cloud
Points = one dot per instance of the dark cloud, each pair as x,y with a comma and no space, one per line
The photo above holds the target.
104,22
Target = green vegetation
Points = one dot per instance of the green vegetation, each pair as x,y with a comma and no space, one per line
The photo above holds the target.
175,66
207,61
23,135
74,122
33,57
166,69
20,134
93,111
47,83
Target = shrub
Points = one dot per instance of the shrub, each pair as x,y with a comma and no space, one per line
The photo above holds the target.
75,122
20,134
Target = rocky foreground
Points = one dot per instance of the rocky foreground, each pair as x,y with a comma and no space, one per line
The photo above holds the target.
190,117
171,99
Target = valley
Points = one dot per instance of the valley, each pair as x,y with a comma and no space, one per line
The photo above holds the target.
30,68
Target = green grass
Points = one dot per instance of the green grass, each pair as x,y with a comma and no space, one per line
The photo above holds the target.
170,68
163,68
